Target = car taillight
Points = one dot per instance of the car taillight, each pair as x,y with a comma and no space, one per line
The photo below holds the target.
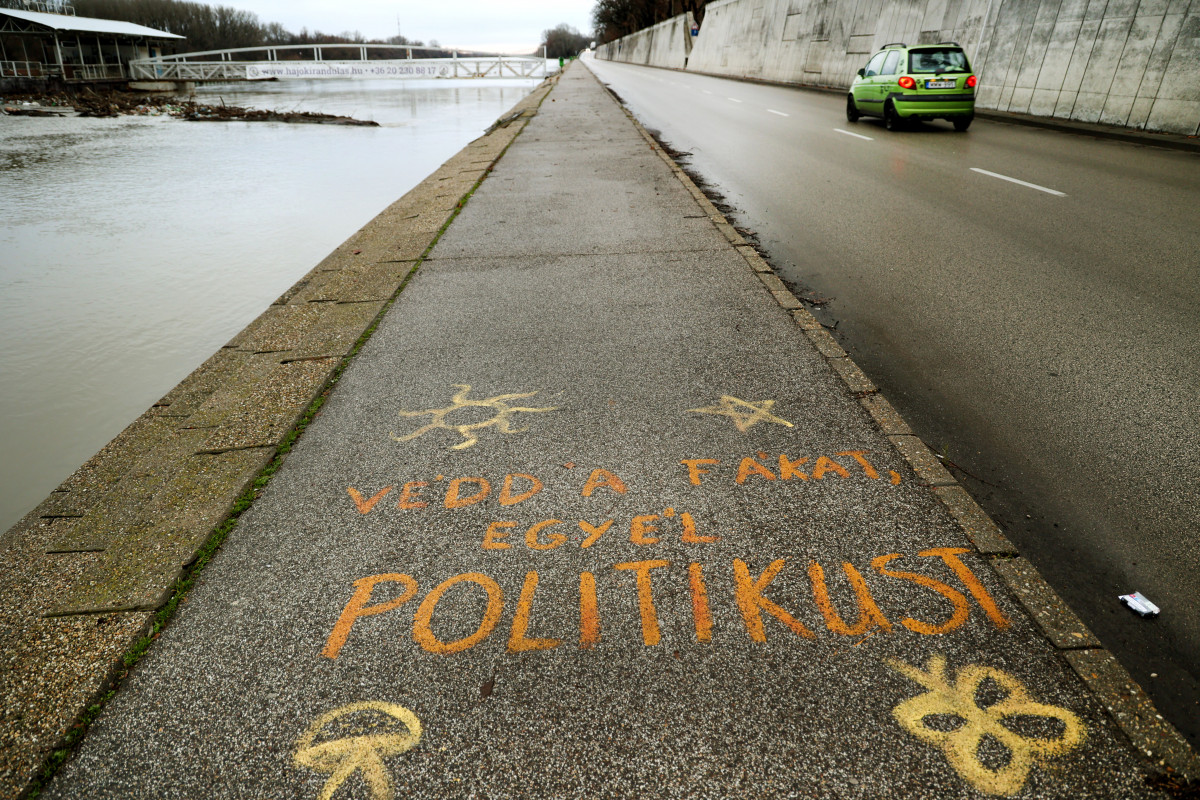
971,81
907,83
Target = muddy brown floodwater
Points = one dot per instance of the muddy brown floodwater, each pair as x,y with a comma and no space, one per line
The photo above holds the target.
132,248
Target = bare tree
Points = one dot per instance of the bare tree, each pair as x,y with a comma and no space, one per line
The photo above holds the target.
616,18
563,41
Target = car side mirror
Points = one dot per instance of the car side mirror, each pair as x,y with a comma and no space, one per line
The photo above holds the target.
862,73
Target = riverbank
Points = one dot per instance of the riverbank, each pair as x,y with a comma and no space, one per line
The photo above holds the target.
60,656
179,234
107,103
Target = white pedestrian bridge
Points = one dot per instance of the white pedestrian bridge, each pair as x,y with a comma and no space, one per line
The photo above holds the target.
307,61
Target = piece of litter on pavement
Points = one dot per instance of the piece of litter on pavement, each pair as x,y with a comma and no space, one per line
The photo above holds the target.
1140,604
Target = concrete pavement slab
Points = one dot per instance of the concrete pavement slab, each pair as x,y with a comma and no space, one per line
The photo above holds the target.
590,515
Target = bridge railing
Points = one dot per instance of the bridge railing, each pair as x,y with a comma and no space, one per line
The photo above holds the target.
505,67
217,71
309,61
269,52
228,71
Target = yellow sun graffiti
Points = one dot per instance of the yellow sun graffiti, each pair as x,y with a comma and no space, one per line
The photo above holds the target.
501,422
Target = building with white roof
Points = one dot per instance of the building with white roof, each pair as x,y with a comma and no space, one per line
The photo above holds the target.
40,46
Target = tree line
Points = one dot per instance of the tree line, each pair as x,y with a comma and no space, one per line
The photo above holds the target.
564,41
218,27
616,18
206,27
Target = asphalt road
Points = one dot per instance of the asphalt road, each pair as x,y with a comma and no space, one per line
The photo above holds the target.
1040,335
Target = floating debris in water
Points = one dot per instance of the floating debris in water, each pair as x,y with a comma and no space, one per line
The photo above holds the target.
90,103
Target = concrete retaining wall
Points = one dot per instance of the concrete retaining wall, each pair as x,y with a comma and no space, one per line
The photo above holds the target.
667,44
1133,63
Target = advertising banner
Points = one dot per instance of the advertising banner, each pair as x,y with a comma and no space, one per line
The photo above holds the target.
300,70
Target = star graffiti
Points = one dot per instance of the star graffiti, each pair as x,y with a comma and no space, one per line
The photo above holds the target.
744,414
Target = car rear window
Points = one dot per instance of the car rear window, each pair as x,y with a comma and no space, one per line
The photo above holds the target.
938,59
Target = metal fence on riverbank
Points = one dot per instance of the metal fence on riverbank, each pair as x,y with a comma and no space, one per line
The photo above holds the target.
72,72
23,69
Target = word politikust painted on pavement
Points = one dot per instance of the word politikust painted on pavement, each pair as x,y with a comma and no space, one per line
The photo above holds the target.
750,594
518,487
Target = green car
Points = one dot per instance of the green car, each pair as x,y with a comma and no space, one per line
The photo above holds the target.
900,83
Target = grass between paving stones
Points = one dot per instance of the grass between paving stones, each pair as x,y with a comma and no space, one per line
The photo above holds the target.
192,570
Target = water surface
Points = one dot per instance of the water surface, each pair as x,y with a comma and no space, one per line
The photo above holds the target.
133,248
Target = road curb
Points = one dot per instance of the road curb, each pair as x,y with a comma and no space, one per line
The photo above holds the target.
1127,703
113,550
1171,141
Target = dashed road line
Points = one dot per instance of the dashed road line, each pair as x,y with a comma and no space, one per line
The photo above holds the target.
855,135
733,99
780,113
1018,182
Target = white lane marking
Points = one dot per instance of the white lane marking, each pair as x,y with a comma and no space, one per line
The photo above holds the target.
855,135
706,91
733,99
1020,183
780,113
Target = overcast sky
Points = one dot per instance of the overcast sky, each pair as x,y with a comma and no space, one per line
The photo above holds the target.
505,26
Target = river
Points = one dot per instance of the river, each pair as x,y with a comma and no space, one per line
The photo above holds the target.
133,248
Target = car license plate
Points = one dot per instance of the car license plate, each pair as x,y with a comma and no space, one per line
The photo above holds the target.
949,84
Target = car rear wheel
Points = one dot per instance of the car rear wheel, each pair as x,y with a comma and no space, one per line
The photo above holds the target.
891,119
851,109
962,123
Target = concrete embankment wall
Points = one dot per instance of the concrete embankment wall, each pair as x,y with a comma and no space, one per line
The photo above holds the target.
667,44
1133,63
